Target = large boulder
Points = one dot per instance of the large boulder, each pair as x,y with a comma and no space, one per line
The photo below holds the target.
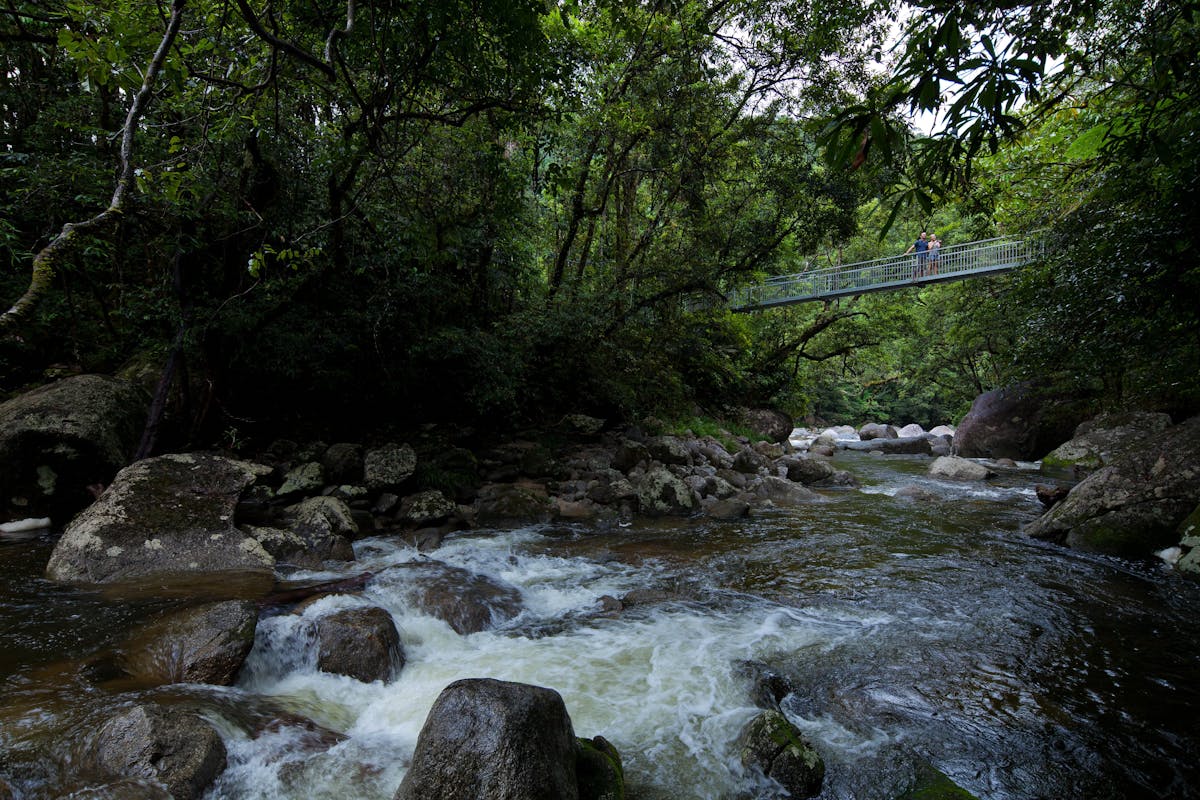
875,430
486,739
668,450
959,469
206,644
1018,422
1135,505
58,440
773,425
361,643
174,747
784,493
772,745
1099,441
386,468
166,516
661,492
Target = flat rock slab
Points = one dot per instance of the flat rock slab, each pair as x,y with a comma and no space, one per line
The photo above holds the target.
170,515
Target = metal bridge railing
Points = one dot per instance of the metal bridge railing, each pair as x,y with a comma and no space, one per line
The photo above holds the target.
954,261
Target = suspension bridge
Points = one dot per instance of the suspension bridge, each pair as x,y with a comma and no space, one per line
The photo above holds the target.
955,262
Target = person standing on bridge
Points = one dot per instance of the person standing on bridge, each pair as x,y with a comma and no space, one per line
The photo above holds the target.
921,245
935,252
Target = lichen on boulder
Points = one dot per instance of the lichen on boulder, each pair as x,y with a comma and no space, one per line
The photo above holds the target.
163,516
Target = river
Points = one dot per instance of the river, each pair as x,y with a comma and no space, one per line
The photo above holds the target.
913,630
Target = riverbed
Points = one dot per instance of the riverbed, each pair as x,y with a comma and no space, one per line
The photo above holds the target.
913,627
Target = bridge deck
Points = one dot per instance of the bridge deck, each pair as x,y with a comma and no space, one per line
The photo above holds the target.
894,272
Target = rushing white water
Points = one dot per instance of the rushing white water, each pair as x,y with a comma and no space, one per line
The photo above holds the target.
663,687
912,620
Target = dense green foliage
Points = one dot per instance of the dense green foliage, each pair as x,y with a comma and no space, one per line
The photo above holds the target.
351,216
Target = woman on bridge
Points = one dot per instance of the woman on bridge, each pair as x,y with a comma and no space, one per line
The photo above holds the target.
935,250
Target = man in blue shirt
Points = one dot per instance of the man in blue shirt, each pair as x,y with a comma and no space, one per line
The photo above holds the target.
921,245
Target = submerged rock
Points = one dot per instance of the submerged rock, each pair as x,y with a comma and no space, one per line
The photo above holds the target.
163,516
486,739
467,601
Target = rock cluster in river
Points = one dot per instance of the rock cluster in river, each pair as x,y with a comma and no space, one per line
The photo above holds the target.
240,524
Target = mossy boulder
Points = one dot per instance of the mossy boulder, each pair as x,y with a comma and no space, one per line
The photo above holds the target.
930,783
1135,505
661,492
598,770
1098,442
772,745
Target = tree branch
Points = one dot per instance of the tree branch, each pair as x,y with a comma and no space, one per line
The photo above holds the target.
45,262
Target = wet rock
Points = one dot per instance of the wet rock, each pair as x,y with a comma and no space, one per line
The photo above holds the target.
172,746
728,509
807,470
767,687
772,745
512,502
1135,505
1050,496
874,430
343,463
1018,422
206,644
930,783
163,516
361,643
575,509
913,492
598,770
494,740
785,494
959,469
661,492
386,468
468,602
57,440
